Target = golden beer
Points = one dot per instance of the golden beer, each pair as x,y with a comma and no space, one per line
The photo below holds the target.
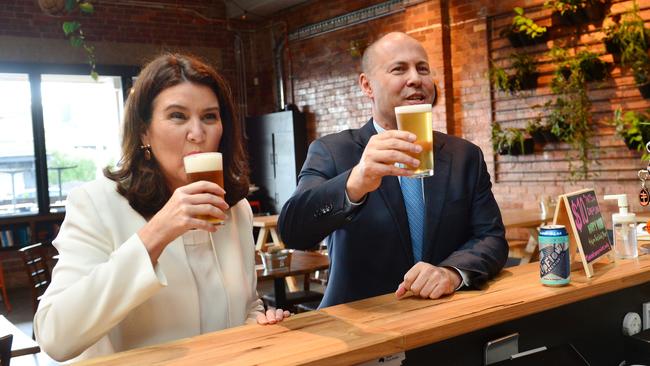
417,120
205,166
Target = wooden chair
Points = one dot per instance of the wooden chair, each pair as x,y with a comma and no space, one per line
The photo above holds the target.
3,286
5,349
37,272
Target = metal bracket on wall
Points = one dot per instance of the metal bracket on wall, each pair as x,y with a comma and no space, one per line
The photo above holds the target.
352,18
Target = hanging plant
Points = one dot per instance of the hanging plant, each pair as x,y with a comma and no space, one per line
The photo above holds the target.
628,37
524,76
524,31
570,111
72,29
540,131
511,141
575,12
634,128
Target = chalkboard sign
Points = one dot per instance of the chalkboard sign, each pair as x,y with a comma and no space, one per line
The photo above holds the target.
580,213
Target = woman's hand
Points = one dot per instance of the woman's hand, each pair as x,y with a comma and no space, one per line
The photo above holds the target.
180,215
272,316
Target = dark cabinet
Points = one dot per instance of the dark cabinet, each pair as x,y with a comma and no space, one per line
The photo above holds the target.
277,146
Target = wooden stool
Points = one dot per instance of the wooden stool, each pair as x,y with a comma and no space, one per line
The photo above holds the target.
3,286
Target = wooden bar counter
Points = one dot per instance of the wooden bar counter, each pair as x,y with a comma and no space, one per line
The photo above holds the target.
371,328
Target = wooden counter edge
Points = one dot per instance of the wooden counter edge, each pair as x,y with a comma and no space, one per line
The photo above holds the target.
410,323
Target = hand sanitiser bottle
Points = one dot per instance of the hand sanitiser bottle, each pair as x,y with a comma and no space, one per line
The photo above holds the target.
624,225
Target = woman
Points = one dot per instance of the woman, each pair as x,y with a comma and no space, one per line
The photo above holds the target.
136,266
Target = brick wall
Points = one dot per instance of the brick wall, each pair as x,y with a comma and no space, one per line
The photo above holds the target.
121,32
324,83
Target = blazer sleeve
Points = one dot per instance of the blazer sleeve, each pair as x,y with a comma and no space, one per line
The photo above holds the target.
94,286
486,252
318,206
255,304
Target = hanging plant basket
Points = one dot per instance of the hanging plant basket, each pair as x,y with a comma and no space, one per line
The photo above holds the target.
613,47
528,81
515,148
52,7
549,136
595,12
595,71
644,90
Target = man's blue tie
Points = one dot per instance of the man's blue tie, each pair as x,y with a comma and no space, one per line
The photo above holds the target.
414,202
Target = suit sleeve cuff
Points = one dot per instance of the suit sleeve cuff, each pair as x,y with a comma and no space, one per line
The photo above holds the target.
465,278
349,203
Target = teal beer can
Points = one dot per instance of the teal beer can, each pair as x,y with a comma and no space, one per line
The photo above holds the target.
554,263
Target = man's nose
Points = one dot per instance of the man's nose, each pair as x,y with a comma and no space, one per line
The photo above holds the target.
414,78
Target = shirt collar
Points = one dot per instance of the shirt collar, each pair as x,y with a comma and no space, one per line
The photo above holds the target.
378,128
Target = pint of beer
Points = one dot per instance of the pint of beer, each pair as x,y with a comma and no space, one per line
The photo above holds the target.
205,166
417,119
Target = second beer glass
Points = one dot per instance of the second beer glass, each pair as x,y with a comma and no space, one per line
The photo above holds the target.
417,120
205,166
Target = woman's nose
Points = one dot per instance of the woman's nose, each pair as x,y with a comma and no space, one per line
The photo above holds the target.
196,131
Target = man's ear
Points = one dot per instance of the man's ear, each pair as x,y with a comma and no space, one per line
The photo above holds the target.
364,83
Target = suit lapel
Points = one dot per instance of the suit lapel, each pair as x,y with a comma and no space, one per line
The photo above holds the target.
435,189
391,192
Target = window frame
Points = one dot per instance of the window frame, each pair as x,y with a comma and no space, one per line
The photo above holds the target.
34,71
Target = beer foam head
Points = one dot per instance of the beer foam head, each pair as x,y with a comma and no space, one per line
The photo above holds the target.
203,162
415,108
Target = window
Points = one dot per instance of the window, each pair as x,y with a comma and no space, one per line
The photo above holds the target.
82,126
58,129
17,169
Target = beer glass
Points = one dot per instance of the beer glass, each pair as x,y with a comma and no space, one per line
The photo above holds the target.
417,120
205,166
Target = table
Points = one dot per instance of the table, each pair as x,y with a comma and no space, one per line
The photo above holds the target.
530,220
58,171
302,263
268,225
22,344
13,184
368,329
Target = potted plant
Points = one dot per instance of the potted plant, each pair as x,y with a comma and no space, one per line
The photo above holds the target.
511,141
573,12
627,36
592,66
524,76
540,131
524,31
634,128
517,142
583,66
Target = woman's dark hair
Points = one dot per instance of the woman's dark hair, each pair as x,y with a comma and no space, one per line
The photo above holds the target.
141,181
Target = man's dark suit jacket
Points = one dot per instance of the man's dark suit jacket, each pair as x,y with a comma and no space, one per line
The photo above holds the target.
370,245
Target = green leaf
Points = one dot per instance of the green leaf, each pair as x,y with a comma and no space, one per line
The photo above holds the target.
519,10
86,7
94,75
76,41
69,5
70,27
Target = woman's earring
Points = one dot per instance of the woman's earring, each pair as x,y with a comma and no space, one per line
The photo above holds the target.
147,151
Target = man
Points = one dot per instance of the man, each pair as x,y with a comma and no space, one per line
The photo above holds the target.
349,190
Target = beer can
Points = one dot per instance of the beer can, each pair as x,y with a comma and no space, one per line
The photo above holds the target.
554,263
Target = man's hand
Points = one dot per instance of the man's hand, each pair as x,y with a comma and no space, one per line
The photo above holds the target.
428,281
378,160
